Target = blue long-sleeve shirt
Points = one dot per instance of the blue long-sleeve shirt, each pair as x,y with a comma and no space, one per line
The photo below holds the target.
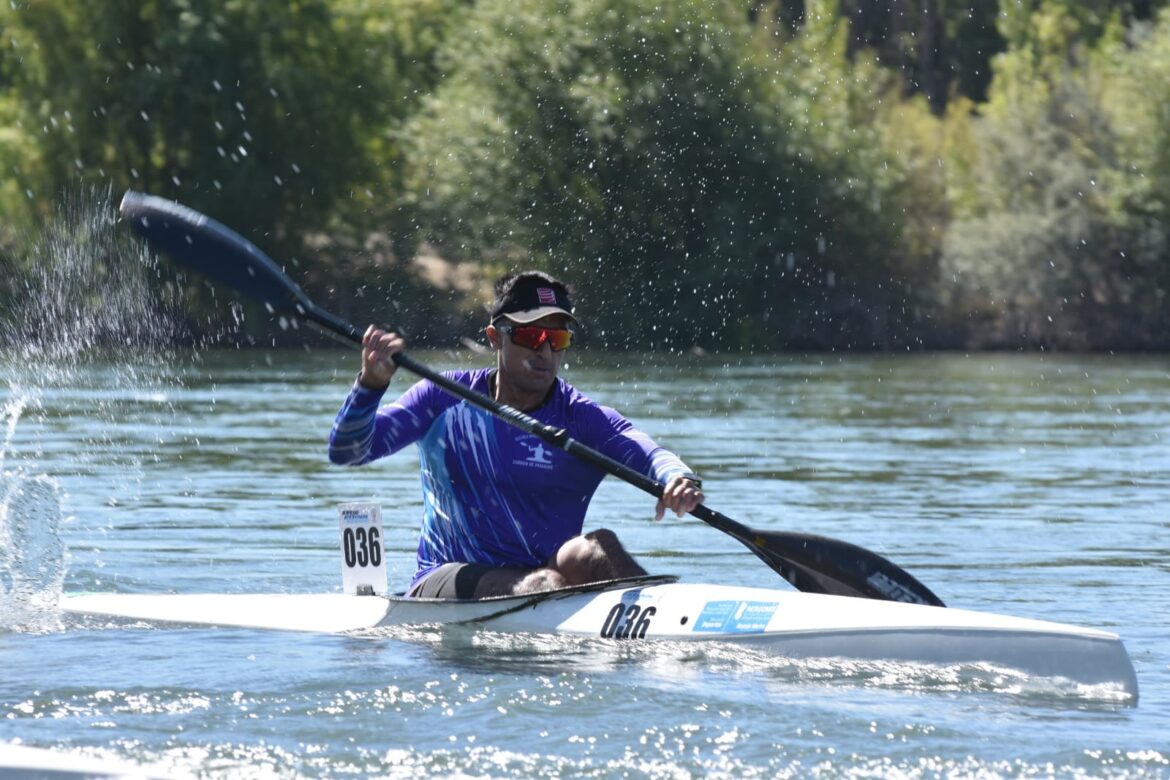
492,493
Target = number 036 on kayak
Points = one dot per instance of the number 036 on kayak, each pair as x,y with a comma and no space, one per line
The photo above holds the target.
363,566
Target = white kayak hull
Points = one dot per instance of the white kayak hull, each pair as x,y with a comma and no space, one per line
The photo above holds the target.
786,623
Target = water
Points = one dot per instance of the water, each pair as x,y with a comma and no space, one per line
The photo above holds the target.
1030,485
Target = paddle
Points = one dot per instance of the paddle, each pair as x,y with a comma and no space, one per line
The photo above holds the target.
815,564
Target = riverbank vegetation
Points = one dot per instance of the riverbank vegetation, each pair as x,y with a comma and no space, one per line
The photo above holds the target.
730,175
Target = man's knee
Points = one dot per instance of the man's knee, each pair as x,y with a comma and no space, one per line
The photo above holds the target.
580,552
593,556
540,580
511,581
605,540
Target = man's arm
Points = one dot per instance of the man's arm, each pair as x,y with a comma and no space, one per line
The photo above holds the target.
361,432
351,441
617,437
378,350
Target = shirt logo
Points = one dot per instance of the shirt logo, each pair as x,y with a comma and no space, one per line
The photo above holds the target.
546,295
538,457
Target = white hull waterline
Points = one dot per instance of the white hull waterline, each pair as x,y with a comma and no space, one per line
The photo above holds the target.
786,623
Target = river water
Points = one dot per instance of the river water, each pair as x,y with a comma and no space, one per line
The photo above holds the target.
1034,485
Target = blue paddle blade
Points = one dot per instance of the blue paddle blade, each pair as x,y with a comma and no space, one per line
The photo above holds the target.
215,250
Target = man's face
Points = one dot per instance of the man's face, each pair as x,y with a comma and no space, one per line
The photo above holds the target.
530,370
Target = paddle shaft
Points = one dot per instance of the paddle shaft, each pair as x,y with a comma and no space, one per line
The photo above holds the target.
557,437
812,563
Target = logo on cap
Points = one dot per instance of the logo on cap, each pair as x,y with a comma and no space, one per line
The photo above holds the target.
546,295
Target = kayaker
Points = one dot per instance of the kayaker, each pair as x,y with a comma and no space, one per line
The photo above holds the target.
503,512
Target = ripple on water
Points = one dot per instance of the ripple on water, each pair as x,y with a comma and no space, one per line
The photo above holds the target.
998,507
677,752
715,664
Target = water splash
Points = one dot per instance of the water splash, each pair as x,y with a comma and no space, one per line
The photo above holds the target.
12,411
83,323
32,556
83,291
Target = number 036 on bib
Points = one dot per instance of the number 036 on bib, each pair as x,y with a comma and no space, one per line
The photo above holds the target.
363,566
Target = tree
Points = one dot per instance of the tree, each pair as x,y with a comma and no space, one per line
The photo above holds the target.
268,114
645,151
1057,237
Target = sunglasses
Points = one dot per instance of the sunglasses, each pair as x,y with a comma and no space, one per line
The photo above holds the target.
533,336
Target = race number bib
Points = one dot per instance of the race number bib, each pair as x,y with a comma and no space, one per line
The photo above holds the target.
363,566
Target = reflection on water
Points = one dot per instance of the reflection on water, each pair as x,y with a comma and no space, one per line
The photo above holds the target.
1025,484
1031,486
711,665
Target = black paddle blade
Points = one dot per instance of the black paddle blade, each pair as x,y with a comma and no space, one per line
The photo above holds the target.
215,250
198,242
819,564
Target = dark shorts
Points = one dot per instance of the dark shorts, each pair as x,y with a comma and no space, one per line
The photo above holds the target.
450,581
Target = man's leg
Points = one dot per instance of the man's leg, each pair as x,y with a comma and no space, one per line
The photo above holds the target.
593,557
477,581
514,582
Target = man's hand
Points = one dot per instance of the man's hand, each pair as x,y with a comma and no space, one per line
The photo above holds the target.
377,365
680,496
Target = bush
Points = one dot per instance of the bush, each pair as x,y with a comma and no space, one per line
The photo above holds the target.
663,157
270,115
1047,247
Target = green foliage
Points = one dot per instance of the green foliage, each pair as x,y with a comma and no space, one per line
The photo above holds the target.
649,153
1049,244
971,40
936,48
1138,98
1045,28
19,156
267,113
776,175
917,143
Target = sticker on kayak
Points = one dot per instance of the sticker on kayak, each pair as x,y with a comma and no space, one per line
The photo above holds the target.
363,567
735,617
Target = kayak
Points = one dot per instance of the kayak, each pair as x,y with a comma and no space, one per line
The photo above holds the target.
789,624
850,602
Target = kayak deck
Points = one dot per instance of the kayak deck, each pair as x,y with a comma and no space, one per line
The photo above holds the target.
784,623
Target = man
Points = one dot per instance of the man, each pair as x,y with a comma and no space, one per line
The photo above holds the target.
503,512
